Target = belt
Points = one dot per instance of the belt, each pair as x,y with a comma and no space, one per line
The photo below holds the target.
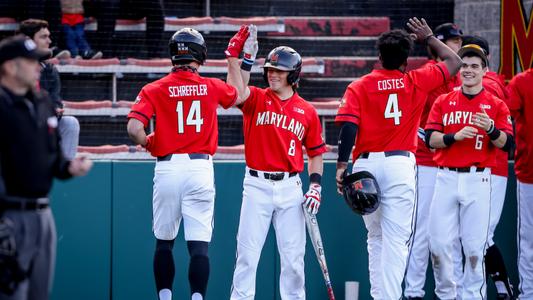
388,153
271,176
24,203
463,169
191,156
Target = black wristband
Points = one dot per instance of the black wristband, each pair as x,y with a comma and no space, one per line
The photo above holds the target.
246,67
495,134
315,178
448,139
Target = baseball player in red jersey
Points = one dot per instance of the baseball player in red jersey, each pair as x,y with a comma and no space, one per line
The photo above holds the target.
495,266
277,124
383,109
426,173
184,141
466,127
520,103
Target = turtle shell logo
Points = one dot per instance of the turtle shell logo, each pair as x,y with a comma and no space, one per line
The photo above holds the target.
358,185
274,58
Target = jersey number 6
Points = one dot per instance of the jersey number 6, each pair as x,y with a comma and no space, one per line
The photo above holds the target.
391,111
194,117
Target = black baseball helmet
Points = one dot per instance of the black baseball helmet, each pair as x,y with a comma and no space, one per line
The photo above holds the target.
187,45
285,59
361,192
447,31
477,40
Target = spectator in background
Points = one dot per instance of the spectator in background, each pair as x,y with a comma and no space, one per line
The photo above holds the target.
34,9
73,24
107,12
69,127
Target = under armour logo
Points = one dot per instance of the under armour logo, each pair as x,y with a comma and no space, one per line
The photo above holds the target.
484,180
453,103
269,102
231,44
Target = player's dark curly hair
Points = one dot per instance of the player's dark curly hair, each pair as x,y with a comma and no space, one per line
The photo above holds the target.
394,47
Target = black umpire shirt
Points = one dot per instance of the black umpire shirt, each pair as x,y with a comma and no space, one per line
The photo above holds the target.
30,155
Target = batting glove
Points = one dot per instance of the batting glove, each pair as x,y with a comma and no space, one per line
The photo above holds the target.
312,198
149,142
236,43
250,46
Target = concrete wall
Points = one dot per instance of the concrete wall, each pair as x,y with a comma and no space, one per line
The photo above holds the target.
482,17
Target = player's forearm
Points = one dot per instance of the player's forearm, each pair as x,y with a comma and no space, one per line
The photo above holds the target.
436,140
245,75
315,166
136,132
235,79
450,58
346,141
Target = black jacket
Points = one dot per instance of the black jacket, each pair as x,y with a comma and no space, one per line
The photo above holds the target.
51,83
30,155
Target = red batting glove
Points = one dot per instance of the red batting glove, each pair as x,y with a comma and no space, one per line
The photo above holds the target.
149,142
236,43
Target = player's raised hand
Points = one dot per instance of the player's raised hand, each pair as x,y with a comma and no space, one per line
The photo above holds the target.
251,46
468,132
236,43
419,28
312,198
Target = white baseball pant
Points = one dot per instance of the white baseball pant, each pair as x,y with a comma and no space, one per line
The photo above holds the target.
184,188
464,196
415,275
390,227
525,240
280,202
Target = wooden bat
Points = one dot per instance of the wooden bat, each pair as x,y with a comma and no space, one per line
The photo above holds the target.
316,239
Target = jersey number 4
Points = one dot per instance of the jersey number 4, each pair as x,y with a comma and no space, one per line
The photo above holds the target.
194,118
391,111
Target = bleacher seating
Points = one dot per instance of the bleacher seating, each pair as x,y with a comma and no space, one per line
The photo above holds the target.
337,47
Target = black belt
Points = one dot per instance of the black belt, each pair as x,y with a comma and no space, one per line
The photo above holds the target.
191,156
463,169
272,176
388,153
24,204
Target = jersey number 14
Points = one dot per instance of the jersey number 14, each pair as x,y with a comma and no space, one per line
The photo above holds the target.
194,118
391,110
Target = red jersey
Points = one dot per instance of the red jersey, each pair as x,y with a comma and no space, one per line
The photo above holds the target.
186,108
387,105
520,103
452,112
493,83
275,131
424,156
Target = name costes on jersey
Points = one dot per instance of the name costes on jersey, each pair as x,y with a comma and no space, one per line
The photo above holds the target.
390,84
280,120
187,90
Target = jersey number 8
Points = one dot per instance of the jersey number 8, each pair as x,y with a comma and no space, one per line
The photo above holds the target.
391,110
193,117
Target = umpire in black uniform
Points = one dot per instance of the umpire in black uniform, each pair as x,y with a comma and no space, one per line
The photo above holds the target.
30,157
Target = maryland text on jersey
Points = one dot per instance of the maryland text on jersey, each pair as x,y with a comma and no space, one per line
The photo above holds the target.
457,117
279,120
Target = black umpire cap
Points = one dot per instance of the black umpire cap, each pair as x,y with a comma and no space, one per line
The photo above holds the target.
20,46
447,31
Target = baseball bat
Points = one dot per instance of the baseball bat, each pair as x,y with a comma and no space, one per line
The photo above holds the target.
314,234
